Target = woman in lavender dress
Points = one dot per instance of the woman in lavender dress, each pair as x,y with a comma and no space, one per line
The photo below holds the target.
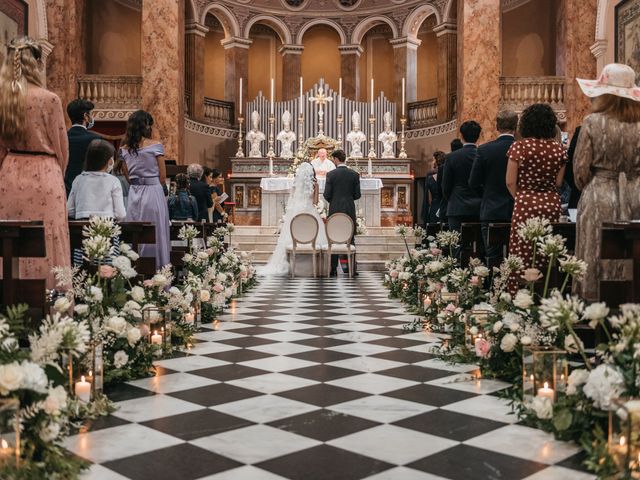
144,161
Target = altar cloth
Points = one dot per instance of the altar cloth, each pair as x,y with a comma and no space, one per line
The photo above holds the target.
282,184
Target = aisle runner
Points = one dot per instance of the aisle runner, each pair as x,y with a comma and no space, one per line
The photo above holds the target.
315,379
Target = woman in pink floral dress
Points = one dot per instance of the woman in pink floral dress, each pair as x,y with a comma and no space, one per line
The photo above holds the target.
33,156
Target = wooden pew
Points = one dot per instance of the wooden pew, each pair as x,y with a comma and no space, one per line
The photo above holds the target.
499,235
621,241
471,243
205,230
22,240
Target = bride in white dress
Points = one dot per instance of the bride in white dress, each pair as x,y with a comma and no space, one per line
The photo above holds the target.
300,201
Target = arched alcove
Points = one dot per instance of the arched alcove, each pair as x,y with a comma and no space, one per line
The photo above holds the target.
427,60
321,57
375,60
213,58
264,62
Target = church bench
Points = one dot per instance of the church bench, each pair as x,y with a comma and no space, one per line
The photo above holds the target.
205,230
621,241
471,243
22,240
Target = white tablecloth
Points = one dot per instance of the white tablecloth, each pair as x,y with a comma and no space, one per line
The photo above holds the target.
281,184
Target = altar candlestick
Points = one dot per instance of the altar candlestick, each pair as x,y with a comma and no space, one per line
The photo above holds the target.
403,100
340,97
301,95
372,96
272,97
240,102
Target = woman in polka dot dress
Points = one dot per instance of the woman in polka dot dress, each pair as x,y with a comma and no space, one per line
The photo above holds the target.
534,175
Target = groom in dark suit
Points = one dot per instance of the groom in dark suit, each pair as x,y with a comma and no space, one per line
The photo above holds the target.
341,191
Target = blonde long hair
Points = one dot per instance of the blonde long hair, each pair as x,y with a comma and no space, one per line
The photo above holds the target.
20,67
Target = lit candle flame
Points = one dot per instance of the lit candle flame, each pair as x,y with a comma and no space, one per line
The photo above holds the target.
5,444
546,384
82,378
623,441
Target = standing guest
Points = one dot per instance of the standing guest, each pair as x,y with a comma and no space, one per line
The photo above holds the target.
182,205
534,175
144,164
488,178
569,177
119,172
80,114
607,169
432,191
200,190
463,205
33,155
95,192
217,182
456,144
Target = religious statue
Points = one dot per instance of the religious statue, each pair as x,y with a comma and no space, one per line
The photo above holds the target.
255,137
355,137
388,137
286,137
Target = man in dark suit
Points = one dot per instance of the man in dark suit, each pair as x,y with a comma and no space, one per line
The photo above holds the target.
488,178
456,144
463,205
80,137
341,190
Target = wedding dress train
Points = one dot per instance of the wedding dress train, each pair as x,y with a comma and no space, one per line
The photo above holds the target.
300,201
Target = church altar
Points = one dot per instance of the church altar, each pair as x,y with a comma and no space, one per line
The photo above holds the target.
275,193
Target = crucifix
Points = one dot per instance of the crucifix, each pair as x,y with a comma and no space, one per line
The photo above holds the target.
321,100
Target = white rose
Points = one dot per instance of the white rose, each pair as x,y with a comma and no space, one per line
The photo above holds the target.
509,342
121,262
595,312
222,277
526,340
481,271
505,297
605,382
473,330
497,326
118,325
187,258
205,295
120,359
10,377
523,299
34,377
202,255
228,292
129,272
125,247
50,432
56,400
137,293
81,309
174,291
576,378
543,407
159,280
62,305
95,294
434,266
131,305
133,336
133,256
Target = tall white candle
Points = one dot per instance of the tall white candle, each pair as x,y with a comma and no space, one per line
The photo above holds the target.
372,96
156,338
340,97
546,392
301,95
240,101
83,390
272,95
403,100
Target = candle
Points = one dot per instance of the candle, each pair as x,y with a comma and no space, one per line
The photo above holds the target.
372,96
546,392
240,101
340,97
156,338
189,317
83,390
272,96
427,302
403,100
301,95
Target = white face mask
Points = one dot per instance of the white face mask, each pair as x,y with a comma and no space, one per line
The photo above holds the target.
110,166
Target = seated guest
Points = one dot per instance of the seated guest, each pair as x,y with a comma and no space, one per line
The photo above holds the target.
200,191
488,178
95,192
79,136
182,205
463,205
118,172
432,191
217,185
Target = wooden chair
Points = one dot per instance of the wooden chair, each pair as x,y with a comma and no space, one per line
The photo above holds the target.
340,228
22,240
304,232
621,241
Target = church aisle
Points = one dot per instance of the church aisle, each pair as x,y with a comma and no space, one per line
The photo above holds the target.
315,379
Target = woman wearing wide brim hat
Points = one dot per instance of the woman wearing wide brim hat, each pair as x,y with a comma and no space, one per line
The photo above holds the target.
607,170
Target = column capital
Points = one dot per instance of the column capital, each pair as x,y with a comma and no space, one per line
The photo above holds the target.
46,47
405,42
350,49
599,48
236,42
445,28
291,49
195,28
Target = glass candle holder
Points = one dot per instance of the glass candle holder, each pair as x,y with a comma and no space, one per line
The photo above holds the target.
472,334
449,297
624,436
544,373
9,432
156,325
480,316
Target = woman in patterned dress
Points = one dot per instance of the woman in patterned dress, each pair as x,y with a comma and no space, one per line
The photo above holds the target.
607,170
34,152
534,174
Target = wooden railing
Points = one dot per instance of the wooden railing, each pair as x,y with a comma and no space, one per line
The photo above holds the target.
518,93
218,112
423,113
118,92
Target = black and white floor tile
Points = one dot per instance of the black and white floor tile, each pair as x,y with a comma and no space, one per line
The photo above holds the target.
315,379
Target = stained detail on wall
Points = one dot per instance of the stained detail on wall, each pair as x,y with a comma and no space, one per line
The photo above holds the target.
628,33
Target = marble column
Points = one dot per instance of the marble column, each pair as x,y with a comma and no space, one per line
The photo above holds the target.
447,37
236,66
479,63
47,48
163,71
291,70
66,25
405,58
194,36
575,60
350,70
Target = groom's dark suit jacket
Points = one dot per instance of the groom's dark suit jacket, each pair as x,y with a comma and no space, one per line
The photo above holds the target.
342,190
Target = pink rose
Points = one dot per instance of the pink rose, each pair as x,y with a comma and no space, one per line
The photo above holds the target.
218,288
106,271
475,281
436,251
147,283
209,251
451,308
482,347
144,330
532,275
394,274
243,274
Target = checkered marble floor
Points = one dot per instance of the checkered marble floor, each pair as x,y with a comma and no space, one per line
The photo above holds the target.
315,379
